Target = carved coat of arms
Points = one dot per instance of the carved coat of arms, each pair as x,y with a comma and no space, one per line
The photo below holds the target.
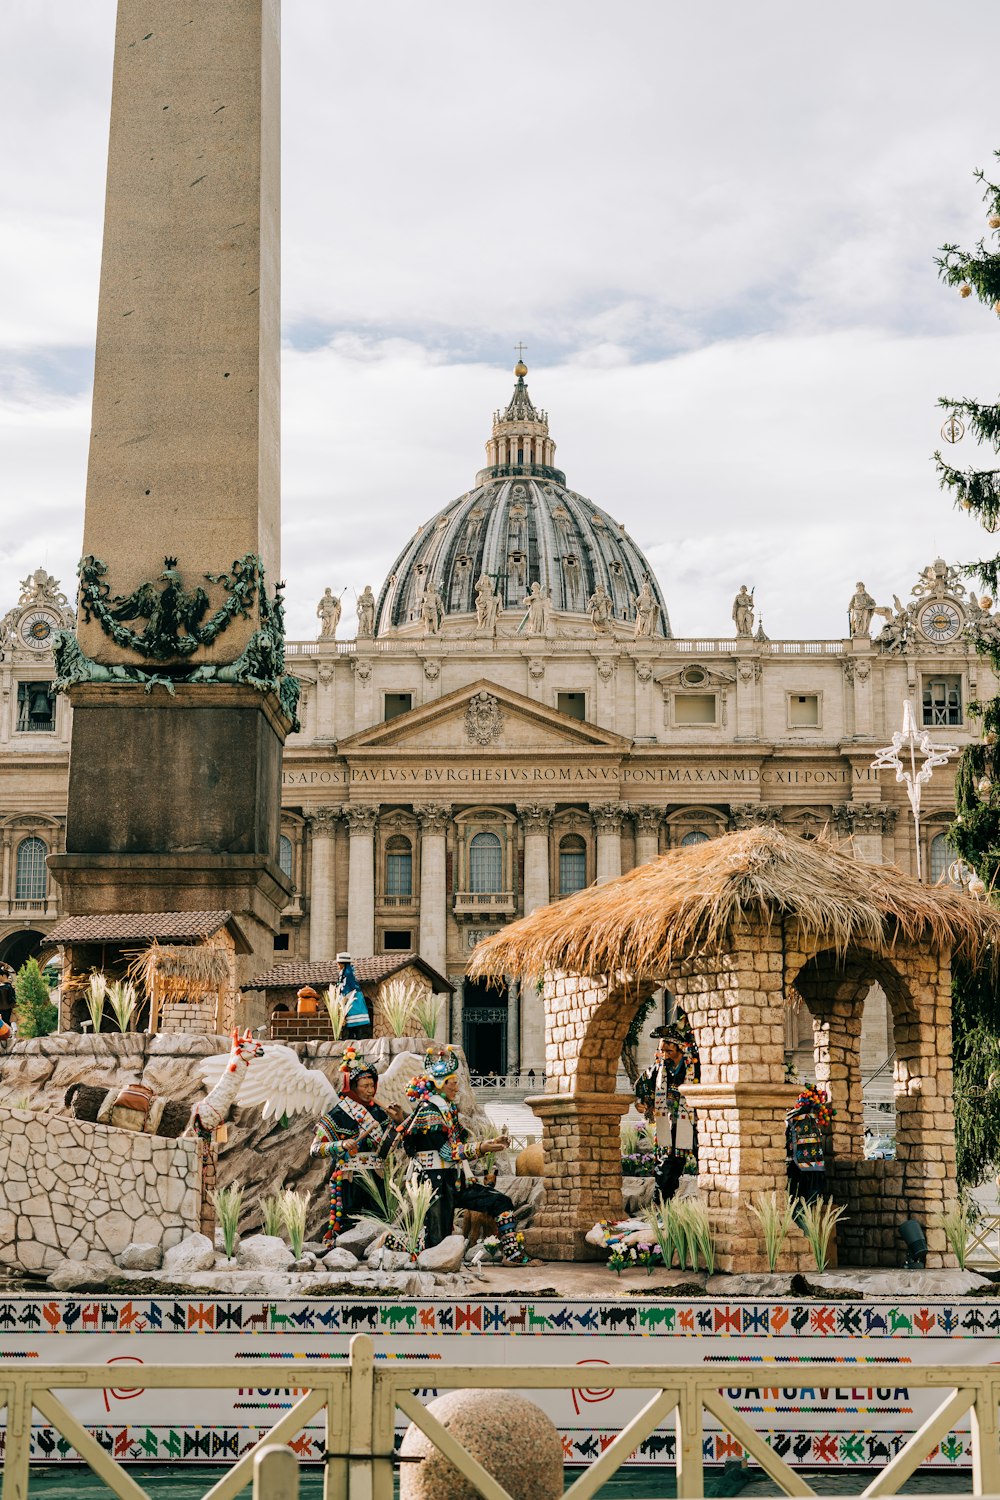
483,719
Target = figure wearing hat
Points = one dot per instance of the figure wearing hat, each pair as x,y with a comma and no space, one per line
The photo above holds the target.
806,1125
658,1096
355,1133
358,1022
438,1144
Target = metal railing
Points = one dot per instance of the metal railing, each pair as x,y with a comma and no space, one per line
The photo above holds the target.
360,1399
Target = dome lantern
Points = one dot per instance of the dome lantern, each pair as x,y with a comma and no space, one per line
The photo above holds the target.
519,443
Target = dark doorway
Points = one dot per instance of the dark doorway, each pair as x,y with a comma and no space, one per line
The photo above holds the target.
17,947
484,1026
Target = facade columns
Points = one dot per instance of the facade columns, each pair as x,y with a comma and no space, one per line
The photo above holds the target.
362,821
535,820
433,943
866,824
513,1025
322,884
647,832
608,822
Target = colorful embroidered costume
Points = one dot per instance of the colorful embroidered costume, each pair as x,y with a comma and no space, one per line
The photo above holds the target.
805,1144
658,1095
355,1133
438,1144
358,1021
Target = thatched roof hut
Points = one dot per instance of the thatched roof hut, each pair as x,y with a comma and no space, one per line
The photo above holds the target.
689,901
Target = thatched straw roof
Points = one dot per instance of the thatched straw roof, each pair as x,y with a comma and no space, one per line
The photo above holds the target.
181,970
688,901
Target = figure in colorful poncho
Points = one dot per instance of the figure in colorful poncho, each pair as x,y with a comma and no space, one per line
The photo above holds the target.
806,1126
438,1144
355,1133
658,1096
358,1020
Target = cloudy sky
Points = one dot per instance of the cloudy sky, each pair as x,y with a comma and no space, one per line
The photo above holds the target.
713,226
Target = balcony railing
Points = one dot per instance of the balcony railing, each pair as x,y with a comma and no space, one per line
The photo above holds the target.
480,902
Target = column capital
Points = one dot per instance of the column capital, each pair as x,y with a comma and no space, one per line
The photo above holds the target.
535,817
361,818
753,814
433,817
608,816
863,817
323,821
647,817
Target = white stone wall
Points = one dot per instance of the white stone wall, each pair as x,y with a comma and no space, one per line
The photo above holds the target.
68,1189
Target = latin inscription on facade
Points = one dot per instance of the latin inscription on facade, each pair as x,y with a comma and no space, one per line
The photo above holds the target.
574,775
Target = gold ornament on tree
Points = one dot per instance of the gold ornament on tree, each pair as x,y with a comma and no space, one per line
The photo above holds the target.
965,290
994,221
953,430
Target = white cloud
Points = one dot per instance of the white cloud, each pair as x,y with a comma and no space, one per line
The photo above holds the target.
713,225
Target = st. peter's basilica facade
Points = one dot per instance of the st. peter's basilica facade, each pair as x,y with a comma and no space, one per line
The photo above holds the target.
516,720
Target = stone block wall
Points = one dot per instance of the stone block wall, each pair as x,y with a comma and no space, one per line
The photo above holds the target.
70,1189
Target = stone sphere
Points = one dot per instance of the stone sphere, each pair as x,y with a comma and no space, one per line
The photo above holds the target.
512,1438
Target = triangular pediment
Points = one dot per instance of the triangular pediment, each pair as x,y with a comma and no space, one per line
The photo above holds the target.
484,717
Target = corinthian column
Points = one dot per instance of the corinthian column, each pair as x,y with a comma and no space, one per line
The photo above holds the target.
433,892
647,833
322,883
535,821
361,880
608,822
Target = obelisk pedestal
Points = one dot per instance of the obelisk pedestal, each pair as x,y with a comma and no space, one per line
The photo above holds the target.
176,675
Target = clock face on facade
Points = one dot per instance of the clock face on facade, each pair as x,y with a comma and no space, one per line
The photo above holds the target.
36,628
940,621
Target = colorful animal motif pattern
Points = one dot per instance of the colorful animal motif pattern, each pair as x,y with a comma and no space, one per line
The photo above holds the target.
696,1319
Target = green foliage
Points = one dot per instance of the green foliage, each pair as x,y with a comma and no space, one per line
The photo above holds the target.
35,1014
976,830
271,1219
228,1203
957,1224
818,1220
630,1044
775,1213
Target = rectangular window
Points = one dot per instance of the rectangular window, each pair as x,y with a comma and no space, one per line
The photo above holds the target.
573,704
397,941
694,708
36,708
399,874
281,942
803,710
396,704
572,871
942,700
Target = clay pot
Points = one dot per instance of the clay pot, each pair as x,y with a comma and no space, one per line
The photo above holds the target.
307,1002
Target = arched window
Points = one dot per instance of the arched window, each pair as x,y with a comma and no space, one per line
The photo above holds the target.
30,879
943,854
398,866
572,864
285,855
696,836
485,864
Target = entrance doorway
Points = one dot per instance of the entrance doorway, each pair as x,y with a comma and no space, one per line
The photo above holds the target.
484,1026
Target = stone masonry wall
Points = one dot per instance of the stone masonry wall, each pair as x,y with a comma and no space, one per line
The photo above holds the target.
68,1189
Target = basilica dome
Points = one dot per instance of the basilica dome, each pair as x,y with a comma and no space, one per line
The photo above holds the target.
520,526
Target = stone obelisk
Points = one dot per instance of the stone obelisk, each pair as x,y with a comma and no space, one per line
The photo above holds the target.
176,675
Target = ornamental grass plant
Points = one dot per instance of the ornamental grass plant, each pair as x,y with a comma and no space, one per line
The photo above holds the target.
124,1002
294,1208
818,1221
395,1003
228,1204
957,1224
682,1230
775,1213
426,1011
337,1006
271,1219
95,996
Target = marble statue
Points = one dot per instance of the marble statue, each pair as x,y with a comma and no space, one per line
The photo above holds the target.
743,611
539,607
600,607
328,612
487,604
366,613
647,611
431,610
860,610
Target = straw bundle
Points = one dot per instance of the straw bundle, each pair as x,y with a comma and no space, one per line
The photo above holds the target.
692,900
179,971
